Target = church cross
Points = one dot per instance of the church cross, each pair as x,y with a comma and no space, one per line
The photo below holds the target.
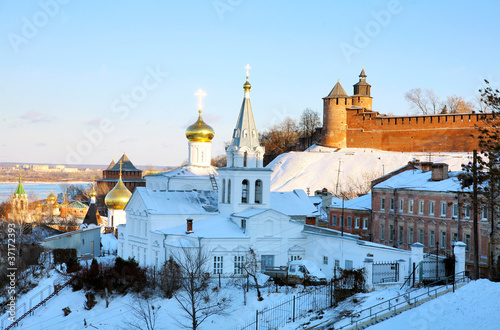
120,168
248,67
201,94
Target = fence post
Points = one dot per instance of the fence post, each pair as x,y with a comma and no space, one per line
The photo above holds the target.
293,311
368,265
417,256
256,319
459,251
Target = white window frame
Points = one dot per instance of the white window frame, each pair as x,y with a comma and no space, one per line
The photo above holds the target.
391,204
467,211
410,206
443,209
356,223
421,204
432,238
365,223
218,264
410,235
484,213
238,264
401,205
444,244
382,203
432,207
454,210
382,232
325,260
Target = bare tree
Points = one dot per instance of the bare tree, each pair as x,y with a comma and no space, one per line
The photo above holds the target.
457,104
309,121
425,103
197,300
145,311
280,137
250,266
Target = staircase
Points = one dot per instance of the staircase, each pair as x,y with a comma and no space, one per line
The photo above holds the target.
56,291
214,182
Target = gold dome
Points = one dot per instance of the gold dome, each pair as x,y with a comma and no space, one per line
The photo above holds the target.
118,197
93,193
247,86
200,131
51,197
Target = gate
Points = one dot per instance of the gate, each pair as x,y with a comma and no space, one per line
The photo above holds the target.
433,268
385,272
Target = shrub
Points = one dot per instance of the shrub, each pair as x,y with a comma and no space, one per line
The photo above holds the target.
90,302
66,311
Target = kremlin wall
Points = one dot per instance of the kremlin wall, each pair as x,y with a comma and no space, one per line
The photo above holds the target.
350,122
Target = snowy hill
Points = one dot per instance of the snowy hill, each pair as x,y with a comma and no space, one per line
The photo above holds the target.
318,167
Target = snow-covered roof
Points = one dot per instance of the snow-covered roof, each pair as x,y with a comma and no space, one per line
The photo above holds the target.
187,171
177,202
293,203
420,180
361,203
250,212
217,226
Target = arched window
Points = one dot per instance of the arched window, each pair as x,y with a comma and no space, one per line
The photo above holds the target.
229,191
232,158
245,133
244,191
258,192
223,190
245,156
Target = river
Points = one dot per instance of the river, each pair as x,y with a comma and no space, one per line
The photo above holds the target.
41,189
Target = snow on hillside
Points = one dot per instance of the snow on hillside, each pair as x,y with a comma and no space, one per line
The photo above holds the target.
318,167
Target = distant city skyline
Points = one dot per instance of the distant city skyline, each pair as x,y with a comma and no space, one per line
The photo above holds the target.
81,82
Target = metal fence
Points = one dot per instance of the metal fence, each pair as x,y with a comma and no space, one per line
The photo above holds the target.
385,272
433,268
314,299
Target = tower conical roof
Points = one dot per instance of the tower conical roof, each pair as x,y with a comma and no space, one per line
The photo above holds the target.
337,91
245,132
363,74
126,165
20,188
111,165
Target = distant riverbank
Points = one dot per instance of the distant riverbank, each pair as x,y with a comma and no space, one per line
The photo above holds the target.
38,189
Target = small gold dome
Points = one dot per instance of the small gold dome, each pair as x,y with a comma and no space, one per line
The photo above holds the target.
200,131
51,197
247,86
118,197
93,193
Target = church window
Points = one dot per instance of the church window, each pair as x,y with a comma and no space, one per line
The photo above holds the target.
223,190
238,264
218,264
337,101
258,192
237,133
245,157
245,133
244,191
254,133
229,190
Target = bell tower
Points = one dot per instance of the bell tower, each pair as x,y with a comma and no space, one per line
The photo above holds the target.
361,97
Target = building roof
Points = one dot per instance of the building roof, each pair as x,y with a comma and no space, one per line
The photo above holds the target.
20,188
293,203
217,226
111,165
77,205
337,91
361,203
245,132
177,202
419,180
187,171
91,216
127,165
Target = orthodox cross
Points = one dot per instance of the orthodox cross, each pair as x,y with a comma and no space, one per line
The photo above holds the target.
248,67
201,94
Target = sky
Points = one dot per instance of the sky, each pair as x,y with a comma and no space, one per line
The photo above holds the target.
83,81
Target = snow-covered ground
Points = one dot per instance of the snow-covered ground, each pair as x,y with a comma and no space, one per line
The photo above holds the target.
299,170
470,307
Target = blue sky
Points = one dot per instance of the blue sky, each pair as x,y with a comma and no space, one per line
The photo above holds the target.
66,67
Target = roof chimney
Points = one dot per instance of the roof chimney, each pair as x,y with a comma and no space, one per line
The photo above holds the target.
189,223
439,172
423,166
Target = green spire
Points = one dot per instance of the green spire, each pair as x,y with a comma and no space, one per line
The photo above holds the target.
20,189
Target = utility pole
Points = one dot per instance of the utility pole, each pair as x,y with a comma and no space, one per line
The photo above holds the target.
474,205
338,178
342,219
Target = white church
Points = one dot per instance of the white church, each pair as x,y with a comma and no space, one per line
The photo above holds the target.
229,210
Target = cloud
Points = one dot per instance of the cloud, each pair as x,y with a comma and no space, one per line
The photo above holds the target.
41,144
36,117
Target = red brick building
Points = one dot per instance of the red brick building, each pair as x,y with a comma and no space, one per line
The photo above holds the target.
357,215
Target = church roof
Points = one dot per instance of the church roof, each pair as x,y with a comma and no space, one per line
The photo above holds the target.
293,203
217,226
188,171
176,202
362,74
245,132
337,91
20,188
91,216
126,165
111,165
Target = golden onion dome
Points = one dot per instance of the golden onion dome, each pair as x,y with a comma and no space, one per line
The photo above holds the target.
200,131
247,86
51,197
93,193
118,197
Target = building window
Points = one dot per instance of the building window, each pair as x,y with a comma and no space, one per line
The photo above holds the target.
421,236
223,190
334,220
391,233
356,224
484,213
382,232
410,206
410,236
443,209
325,260
443,240
244,191
337,263
157,260
382,203
365,223
229,190
467,211
455,210
348,264
455,237
245,156
421,206
401,234
349,222
432,238
391,204
238,264
401,204
467,242
244,224
431,207
218,264
258,192
293,258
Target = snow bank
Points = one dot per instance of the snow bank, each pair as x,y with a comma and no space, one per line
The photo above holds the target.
109,243
300,170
